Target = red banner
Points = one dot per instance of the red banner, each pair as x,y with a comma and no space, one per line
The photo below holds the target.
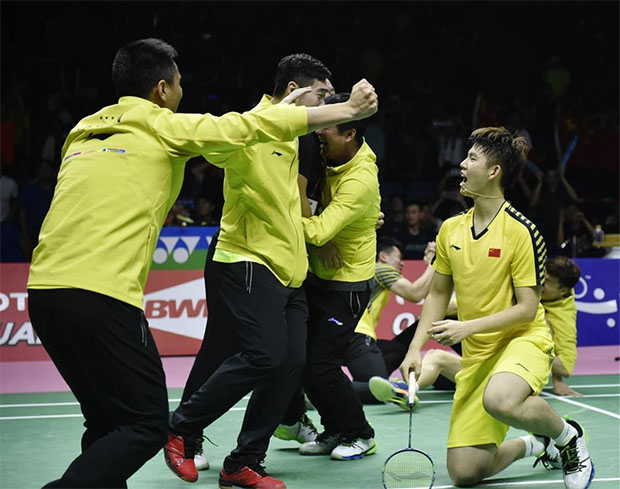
174,304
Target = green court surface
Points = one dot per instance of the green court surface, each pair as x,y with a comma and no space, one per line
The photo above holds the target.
40,433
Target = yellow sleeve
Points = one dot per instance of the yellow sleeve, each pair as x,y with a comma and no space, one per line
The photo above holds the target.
562,318
350,200
441,262
529,258
216,138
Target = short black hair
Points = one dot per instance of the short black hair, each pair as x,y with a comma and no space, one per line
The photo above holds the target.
139,65
301,68
386,243
565,270
359,125
503,149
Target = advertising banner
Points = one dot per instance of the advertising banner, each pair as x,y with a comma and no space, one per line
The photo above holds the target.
182,248
176,308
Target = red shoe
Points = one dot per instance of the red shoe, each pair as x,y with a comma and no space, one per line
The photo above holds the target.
179,457
245,478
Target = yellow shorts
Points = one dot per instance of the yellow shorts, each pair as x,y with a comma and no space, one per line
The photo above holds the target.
529,357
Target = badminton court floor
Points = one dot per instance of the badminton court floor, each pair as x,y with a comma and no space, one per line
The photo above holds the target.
40,433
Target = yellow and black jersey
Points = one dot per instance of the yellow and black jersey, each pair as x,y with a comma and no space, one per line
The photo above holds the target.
385,277
561,315
487,267
121,171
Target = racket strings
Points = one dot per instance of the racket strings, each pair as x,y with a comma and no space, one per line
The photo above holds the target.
408,469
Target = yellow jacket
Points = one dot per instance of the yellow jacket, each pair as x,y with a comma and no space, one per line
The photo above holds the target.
122,169
261,219
351,202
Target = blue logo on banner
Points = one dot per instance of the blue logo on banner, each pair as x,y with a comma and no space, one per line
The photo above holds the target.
597,296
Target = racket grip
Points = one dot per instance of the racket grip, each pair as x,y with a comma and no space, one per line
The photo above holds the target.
412,388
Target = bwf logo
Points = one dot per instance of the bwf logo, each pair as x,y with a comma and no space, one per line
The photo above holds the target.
179,248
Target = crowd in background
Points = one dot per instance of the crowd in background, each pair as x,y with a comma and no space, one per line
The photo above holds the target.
440,69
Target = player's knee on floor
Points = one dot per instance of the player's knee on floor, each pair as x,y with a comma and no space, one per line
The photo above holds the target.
465,476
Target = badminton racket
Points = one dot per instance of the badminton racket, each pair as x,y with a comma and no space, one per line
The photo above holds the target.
409,468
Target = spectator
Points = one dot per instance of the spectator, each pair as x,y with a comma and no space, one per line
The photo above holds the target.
195,178
428,220
450,201
414,236
12,244
180,214
9,193
204,212
36,199
576,233
516,123
395,216
551,195
53,142
557,77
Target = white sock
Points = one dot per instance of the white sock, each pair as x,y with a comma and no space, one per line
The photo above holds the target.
533,446
568,433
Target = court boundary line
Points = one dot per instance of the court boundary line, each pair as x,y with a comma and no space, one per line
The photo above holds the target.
526,483
52,416
580,404
438,401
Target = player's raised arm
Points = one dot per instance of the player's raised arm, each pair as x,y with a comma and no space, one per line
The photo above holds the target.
419,289
362,103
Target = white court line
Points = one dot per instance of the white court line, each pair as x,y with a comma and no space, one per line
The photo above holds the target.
529,483
47,416
51,404
54,404
51,416
42,404
581,405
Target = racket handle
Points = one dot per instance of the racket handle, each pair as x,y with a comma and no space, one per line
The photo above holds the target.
412,389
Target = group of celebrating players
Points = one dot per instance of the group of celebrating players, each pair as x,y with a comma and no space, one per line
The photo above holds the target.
295,284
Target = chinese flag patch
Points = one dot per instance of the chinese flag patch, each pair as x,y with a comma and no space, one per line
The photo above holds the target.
495,252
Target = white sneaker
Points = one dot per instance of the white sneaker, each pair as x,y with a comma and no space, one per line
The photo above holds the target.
550,456
200,461
303,431
323,445
576,462
354,449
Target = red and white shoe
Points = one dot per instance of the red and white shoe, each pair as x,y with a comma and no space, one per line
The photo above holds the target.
247,477
179,456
